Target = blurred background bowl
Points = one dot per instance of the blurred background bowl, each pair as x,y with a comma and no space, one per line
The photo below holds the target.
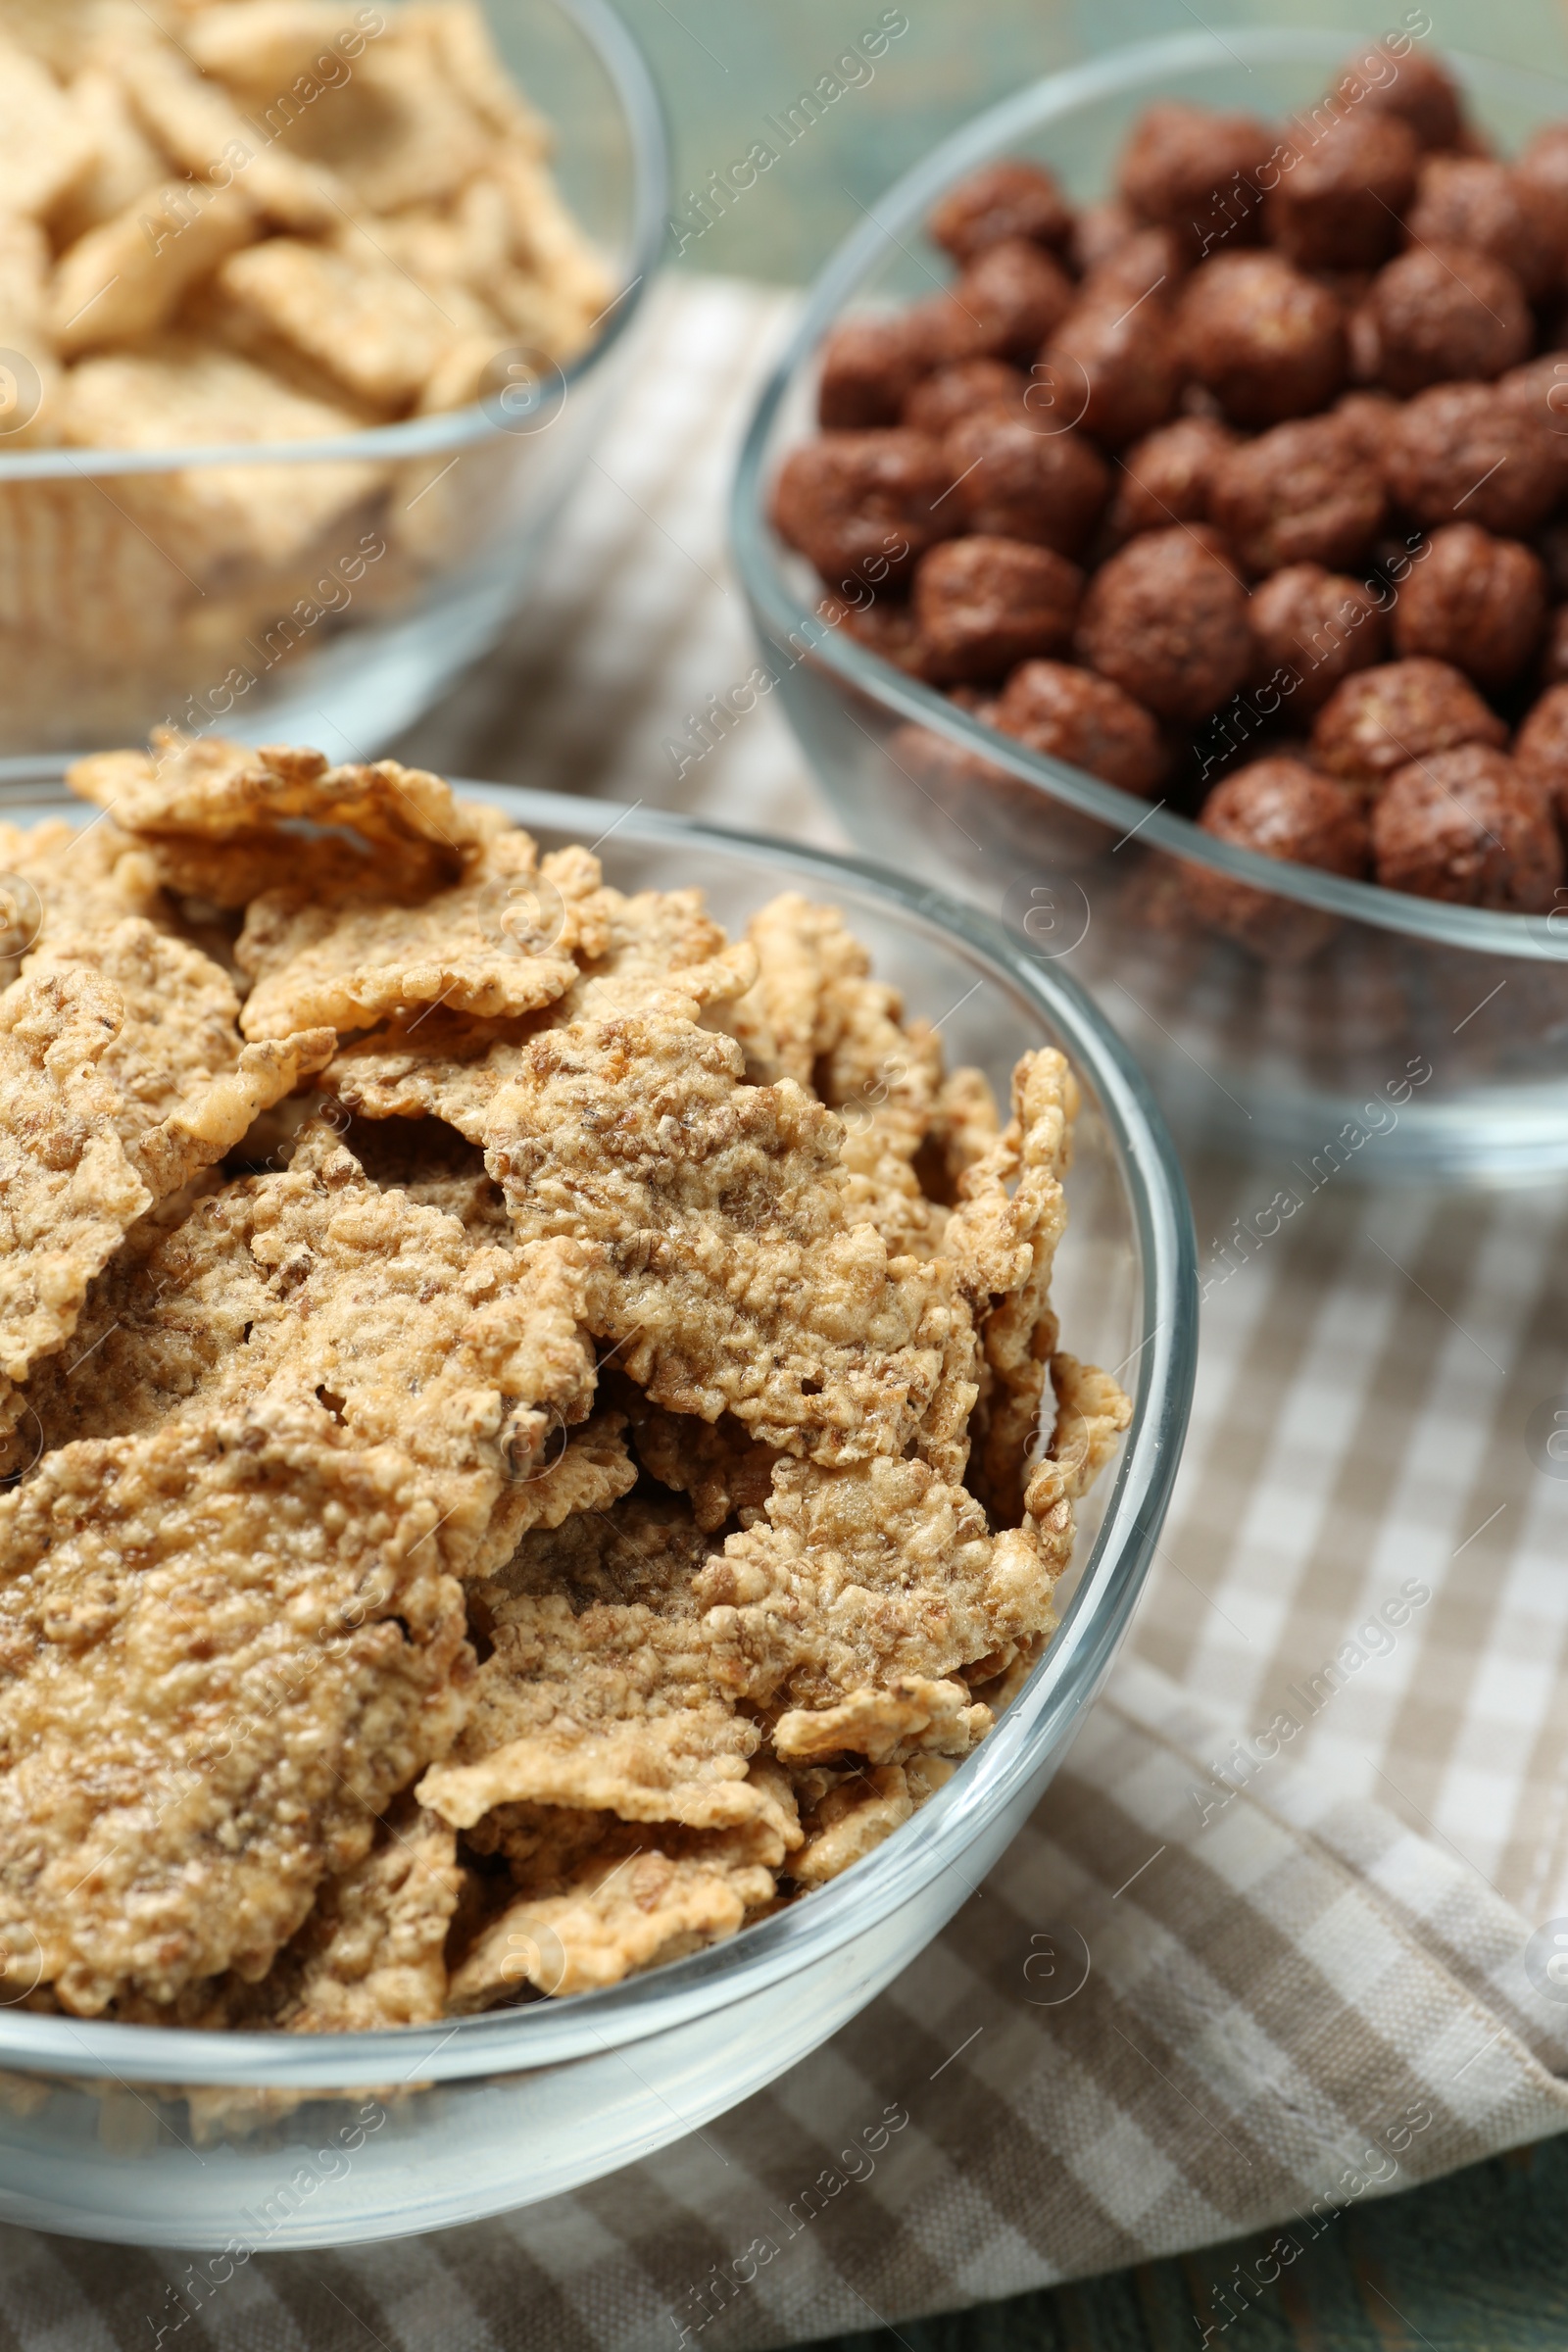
1405,1036
328,591
96,2139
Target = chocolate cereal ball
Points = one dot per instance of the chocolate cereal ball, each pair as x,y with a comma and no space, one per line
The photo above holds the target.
1369,417
1410,85
1119,360
1165,478
1538,392
851,502
1166,620
1098,232
983,604
1402,711
1071,715
1300,494
871,366
1475,601
1279,808
1470,827
1009,299
1463,200
1540,748
1194,171
941,399
1439,315
1264,339
1470,452
1014,481
999,202
1282,808
1337,206
1320,625
882,625
1543,165
1147,261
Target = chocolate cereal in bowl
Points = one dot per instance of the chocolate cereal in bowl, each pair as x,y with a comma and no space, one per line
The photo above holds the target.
1156,526
308,311
566,1469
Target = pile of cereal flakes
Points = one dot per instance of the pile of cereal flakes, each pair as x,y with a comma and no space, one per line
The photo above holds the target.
523,1414
224,223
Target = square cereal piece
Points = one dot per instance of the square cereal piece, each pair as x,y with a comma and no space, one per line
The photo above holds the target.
543,316
546,240
125,160
176,392
57,32
469,243
397,133
266,46
460,39
361,321
465,371
45,145
126,278
199,125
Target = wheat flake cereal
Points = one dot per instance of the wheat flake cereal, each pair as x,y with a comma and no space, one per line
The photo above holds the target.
524,1451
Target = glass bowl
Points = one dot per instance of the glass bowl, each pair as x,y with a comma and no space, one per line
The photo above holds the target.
328,591
1403,1035
420,2128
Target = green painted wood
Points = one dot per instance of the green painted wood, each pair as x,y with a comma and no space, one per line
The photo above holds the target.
729,67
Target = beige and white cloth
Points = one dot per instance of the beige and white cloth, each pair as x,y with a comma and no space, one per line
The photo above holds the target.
1233,1976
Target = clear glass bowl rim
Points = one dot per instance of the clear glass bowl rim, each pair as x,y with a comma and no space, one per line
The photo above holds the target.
627,70
760,558
934,1843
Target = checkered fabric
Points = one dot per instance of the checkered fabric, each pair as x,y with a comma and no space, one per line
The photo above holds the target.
1260,1953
